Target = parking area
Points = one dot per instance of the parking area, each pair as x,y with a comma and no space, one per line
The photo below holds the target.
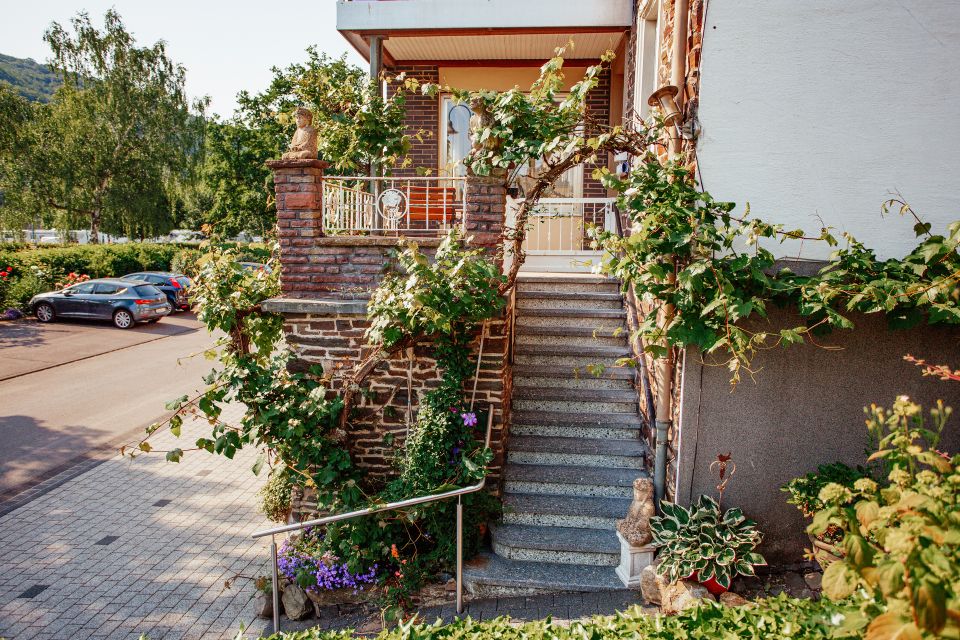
74,391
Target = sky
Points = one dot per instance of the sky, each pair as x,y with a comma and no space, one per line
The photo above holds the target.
225,46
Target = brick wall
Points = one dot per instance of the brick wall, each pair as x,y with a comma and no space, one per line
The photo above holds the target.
598,107
325,283
422,121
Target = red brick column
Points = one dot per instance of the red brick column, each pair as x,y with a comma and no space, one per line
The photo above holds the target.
486,210
299,190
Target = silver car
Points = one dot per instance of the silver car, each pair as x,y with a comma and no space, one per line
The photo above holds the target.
122,301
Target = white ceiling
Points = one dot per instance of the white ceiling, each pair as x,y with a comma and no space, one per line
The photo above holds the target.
534,46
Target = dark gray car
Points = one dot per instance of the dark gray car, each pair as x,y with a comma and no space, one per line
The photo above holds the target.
122,301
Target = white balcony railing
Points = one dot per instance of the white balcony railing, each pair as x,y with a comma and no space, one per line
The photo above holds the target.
404,206
558,226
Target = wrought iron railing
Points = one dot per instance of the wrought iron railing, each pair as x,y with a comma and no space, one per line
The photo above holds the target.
559,225
421,205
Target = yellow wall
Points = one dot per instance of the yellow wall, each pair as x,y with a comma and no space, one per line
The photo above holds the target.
500,78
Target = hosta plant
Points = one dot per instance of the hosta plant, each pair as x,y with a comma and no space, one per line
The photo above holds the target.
705,544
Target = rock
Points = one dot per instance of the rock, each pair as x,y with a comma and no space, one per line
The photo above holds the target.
296,604
678,596
814,580
731,599
263,604
794,582
651,584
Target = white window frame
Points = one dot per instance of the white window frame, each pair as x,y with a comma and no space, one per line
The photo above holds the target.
645,79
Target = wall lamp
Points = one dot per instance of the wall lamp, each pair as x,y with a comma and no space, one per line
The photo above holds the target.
665,99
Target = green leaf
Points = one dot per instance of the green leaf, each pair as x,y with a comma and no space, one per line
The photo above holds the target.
839,581
258,465
175,455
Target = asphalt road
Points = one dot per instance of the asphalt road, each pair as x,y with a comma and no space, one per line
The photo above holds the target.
73,391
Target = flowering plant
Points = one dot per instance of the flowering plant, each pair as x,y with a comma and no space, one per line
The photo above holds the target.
304,562
72,279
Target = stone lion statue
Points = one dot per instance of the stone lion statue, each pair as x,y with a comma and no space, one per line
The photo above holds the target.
635,528
304,142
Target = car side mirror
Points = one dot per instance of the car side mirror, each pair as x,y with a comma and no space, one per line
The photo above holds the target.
68,293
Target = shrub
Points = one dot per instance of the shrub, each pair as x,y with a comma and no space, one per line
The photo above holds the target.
20,289
187,262
804,492
902,535
704,542
779,617
275,495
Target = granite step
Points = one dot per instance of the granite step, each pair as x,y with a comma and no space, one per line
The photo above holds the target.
614,426
489,575
565,451
570,355
526,392
569,318
554,371
587,336
574,384
569,480
567,300
578,283
548,510
560,545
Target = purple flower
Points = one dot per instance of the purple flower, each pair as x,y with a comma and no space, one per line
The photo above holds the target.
469,419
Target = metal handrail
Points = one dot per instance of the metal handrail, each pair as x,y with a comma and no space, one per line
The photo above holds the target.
402,504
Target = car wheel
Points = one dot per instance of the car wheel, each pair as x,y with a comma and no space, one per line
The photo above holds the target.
123,319
44,312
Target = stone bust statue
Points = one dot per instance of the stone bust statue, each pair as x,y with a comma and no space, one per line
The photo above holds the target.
304,142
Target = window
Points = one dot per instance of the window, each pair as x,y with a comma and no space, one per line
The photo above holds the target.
648,57
455,129
82,289
104,289
148,291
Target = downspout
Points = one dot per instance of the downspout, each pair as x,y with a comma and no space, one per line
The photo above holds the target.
664,373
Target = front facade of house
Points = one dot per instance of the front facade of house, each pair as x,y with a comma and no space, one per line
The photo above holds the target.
776,111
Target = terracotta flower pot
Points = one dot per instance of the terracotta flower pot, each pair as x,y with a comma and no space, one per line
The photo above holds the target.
712,585
825,553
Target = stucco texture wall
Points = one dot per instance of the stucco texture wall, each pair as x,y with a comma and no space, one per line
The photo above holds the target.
817,110
804,408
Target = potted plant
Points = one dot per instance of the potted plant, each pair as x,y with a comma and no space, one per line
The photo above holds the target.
705,545
804,492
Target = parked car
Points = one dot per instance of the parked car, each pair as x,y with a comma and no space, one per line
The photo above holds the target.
122,301
175,286
256,266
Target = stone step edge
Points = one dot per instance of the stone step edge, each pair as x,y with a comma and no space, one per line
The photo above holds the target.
538,418
526,392
552,538
553,312
578,446
559,371
569,295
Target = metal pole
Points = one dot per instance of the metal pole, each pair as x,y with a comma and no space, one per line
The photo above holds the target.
660,463
276,585
460,554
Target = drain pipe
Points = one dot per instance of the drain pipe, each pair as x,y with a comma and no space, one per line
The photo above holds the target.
665,366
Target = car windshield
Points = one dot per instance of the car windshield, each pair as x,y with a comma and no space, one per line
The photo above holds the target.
147,291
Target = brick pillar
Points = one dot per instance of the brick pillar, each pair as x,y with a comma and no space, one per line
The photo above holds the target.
299,187
486,210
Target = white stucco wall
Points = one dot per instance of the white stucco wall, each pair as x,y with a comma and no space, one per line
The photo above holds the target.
821,108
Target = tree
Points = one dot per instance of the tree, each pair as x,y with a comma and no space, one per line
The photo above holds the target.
356,126
119,137
16,117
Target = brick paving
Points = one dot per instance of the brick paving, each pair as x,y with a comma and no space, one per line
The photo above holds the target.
102,558
114,549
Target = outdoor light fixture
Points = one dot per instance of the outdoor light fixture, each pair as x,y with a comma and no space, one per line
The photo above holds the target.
665,99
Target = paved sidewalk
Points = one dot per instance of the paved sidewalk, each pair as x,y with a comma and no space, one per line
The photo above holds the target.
135,547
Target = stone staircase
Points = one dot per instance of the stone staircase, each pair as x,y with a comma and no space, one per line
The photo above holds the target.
575,443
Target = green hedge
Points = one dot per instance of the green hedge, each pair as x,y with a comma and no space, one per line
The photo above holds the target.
779,617
96,261
102,261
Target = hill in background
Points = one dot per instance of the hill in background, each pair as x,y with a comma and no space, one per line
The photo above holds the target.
32,80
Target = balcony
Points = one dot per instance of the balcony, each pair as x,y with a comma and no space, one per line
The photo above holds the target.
407,206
